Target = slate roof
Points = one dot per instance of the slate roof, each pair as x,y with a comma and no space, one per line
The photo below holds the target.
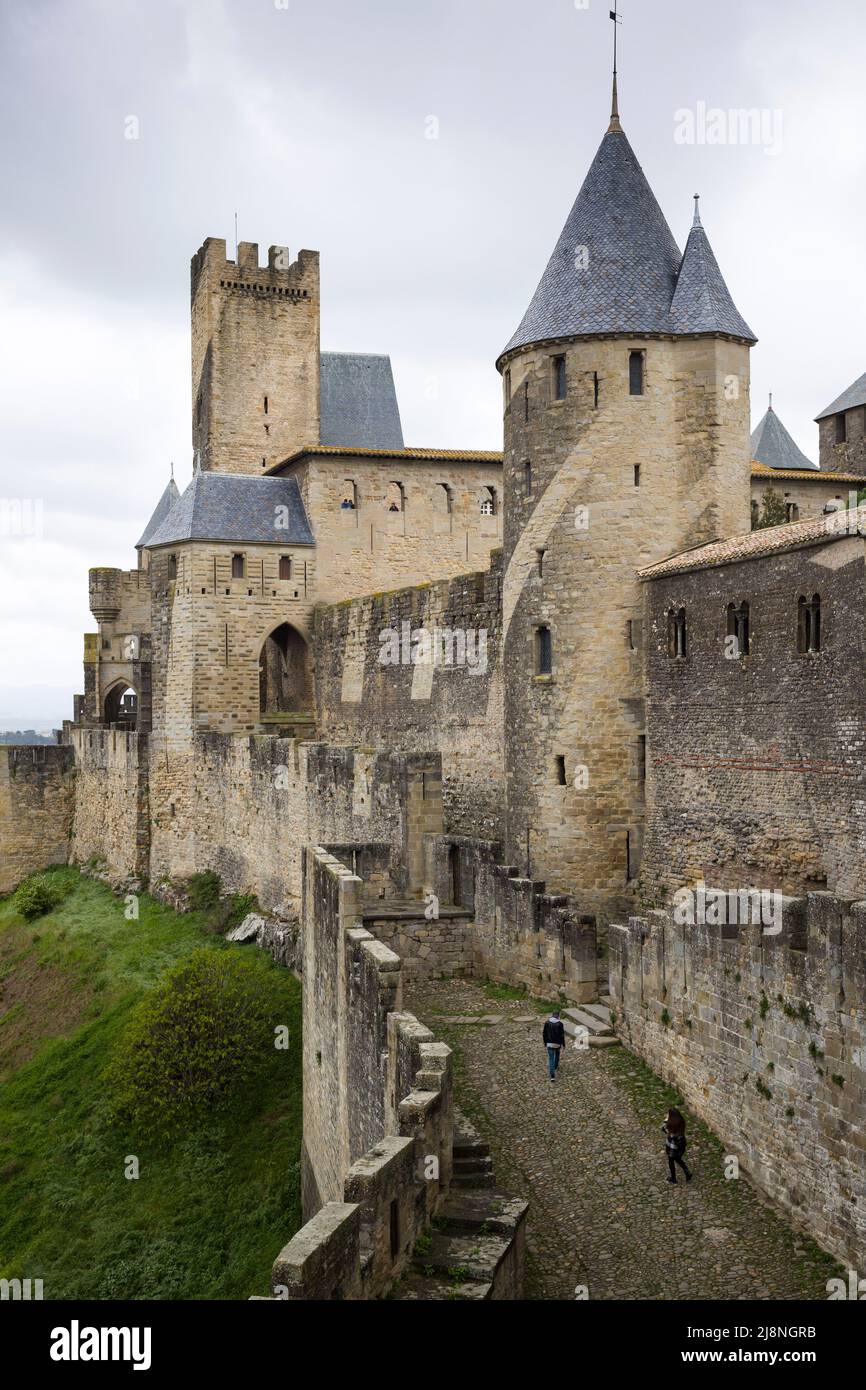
635,280
229,507
702,302
773,445
160,512
358,401
854,396
770,540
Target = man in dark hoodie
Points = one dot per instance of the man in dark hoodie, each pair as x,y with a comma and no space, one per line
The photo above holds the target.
554,1041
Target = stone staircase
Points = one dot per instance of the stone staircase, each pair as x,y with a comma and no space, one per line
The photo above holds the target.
469,1252
595,1019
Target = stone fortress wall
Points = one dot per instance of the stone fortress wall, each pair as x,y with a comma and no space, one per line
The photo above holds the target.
765,1037
455,709
755,765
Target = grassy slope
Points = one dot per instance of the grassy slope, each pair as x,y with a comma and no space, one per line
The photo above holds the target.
208,1214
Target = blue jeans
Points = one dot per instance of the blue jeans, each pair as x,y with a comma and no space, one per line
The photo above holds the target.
553,1059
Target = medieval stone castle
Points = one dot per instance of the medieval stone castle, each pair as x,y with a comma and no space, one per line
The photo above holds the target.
601,684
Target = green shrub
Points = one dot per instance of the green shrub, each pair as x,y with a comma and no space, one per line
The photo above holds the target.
36,896
203,891
193,1043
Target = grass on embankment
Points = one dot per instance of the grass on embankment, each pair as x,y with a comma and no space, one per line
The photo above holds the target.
209,1212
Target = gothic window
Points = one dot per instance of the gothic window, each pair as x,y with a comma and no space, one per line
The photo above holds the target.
809,624
676,633
559,379
737,625
636,373
237,567
285,567
543,651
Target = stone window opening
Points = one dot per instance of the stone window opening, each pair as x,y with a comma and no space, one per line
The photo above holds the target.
636,373
560,378
539,557
595,389
172,567
526,400
527,478
349,502
561,779
395,1229
756,513
238,567
641,758
792,511
676,633
121,706
809,624
543,651
285,567
508,387
396,497
841,429
266,405
737,625
285,680
487,501
445,498
637,475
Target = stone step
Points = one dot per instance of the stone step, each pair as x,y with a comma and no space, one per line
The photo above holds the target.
458,1257
606,999
464,1147
477,1163
599,1011
473,1180
594,1026
485,1209
415,1286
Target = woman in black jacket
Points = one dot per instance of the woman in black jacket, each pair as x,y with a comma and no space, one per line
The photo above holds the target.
675,1144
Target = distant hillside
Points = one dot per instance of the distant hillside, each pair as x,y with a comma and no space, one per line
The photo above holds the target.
24,736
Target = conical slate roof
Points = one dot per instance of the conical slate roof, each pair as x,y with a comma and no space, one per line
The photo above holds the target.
773,446
854,396
160,512
702,302
616,267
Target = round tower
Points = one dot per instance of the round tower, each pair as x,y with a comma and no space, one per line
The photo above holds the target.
626,394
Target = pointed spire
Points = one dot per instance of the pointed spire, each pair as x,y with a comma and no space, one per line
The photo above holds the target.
614,126
702,302
773,446
696,222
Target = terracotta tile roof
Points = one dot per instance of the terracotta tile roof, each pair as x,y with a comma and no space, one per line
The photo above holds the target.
805,475
769,541
445,455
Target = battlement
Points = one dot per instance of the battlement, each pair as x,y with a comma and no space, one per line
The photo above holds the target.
281,277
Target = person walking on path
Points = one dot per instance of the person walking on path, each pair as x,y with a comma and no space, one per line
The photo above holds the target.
675,1143
554,1041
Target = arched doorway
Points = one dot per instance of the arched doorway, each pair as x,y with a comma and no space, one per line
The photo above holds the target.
285,685
121,706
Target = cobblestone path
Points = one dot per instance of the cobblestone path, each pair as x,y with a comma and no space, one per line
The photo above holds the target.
588,1153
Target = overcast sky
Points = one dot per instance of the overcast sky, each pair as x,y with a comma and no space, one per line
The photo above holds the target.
311,119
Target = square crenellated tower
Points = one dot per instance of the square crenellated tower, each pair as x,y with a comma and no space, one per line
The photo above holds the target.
255,356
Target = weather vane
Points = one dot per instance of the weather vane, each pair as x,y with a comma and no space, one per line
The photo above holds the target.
617,19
